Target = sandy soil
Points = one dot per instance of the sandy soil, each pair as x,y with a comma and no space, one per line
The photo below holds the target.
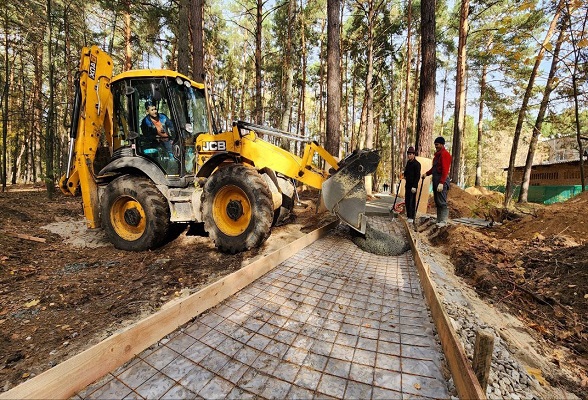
59,297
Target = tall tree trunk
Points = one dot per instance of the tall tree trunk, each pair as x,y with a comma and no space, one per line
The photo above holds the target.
111,42
50,129
304,56
426,108
369,88
508,192
5,93
183,37
391,118
258,60
34,153
369,80
128,33
243,84
354,134
549,86
577,56
197,19
478,181
332,142
16,145
441,130
288,71
460,93
415,97
403,137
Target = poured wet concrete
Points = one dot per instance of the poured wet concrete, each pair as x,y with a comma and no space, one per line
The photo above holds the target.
382,243
333,321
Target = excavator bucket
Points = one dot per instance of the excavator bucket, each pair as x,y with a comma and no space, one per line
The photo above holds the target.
344,192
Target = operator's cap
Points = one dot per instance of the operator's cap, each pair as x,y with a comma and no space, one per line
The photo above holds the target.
411,150
440,139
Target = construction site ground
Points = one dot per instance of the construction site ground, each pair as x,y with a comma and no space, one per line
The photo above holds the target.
58,298
332,321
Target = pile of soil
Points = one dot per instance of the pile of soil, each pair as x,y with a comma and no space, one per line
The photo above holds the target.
57,299
473,202
535,267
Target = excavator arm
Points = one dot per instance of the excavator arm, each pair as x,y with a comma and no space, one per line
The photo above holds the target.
342,184
91,119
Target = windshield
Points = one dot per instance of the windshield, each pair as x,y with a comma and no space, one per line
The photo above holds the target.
192,118
192,108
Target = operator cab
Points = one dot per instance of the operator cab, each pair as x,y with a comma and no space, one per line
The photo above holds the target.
159,117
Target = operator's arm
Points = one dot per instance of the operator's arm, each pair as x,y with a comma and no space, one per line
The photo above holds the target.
146,130
168,126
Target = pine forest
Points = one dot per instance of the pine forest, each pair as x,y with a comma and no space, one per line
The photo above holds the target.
494,78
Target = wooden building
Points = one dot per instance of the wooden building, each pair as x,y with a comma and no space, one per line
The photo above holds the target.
553,182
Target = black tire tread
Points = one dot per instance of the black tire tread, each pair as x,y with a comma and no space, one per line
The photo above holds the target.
154,204
261,207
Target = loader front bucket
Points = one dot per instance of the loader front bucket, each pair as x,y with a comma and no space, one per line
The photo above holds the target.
344,192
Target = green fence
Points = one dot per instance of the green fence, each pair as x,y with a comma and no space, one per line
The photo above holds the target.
544,194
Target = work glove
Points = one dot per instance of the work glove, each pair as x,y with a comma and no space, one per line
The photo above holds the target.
440,187
413,190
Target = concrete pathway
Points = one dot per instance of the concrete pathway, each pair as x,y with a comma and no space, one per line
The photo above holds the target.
330,322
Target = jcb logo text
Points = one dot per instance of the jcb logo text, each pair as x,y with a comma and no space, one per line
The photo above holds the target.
220,145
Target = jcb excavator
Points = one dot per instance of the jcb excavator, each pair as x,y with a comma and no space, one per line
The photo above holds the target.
150,187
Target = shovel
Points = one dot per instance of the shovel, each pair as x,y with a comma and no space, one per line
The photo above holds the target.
418,201
394,213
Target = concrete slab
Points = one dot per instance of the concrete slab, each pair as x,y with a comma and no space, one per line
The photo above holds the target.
332,321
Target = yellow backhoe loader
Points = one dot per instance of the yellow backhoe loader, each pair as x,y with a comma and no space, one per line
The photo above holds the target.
157,174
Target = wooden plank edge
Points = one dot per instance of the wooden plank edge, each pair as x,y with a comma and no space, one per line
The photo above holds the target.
464,378
23,236
77,372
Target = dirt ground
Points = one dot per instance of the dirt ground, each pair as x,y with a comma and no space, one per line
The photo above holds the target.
533,264
58,298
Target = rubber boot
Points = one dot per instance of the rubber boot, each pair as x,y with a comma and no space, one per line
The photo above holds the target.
442,215
445,214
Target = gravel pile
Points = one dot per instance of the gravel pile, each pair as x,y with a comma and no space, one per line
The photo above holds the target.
508,379
377,242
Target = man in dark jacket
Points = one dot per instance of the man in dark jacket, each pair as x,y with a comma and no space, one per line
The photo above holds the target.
440,172
412,174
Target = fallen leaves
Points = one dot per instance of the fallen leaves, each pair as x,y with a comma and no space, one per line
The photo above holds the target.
536,373
32,303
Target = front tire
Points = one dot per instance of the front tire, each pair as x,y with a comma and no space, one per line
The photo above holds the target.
135,215
237,208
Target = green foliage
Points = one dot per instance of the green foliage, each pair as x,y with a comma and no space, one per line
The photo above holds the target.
503,36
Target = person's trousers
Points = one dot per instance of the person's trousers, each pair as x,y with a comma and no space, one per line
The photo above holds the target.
441,201
410,203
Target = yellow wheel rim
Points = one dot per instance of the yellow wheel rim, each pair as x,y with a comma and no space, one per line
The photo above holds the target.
128,218
231,210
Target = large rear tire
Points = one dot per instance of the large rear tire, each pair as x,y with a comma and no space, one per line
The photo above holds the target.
135,215
237,208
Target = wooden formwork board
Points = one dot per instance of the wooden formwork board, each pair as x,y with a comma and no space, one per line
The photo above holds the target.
464,378
74,374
